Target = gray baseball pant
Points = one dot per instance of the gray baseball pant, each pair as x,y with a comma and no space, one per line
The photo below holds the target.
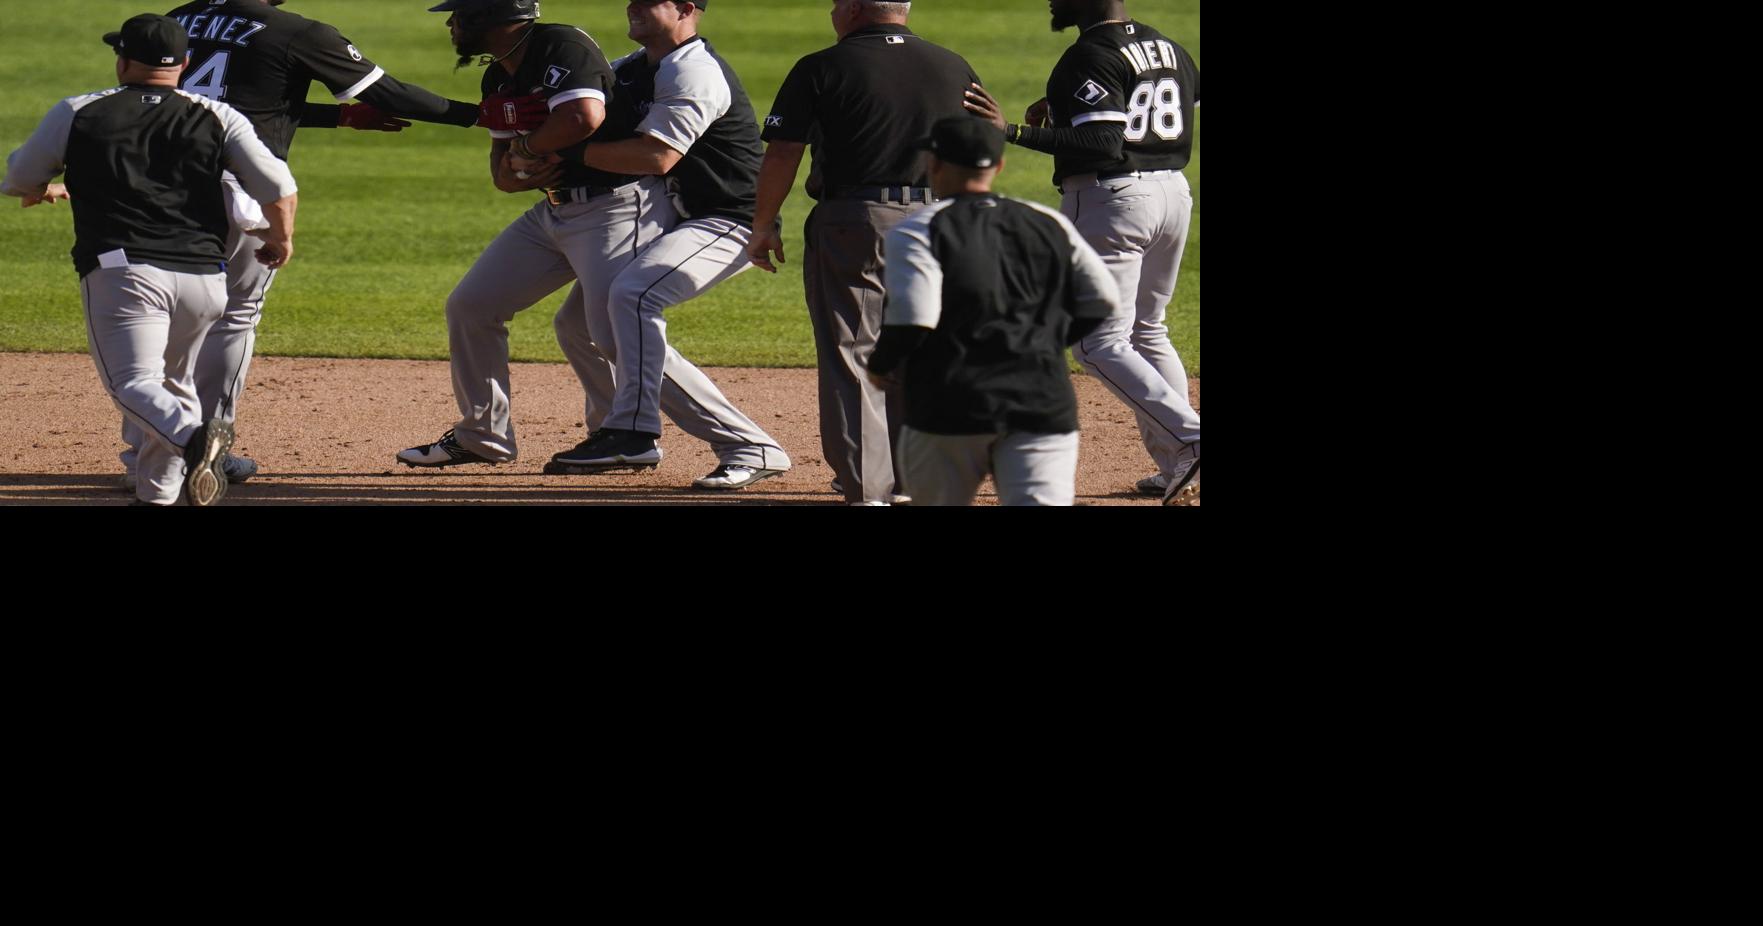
145,327
1027,468
842,274
225,357
532,258
695,256
1139,226
688,397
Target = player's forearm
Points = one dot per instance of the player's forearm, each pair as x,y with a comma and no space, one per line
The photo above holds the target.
643,155
1095,139
777,174
389,95
568,124
280,216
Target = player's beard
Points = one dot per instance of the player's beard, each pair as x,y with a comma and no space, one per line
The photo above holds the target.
470,46
1063,18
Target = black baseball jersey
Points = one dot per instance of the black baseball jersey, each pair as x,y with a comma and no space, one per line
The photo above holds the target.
143,169
260,60
873,96
693,102
994,360
564,64
1127,73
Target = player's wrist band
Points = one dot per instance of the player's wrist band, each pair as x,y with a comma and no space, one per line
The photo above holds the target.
1011,131
523,149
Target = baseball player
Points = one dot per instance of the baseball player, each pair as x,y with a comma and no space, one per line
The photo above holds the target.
1118,119
589,225
260,60
695,125
863,103
983,341
144,163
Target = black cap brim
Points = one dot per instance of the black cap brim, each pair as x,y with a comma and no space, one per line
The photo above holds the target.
112,38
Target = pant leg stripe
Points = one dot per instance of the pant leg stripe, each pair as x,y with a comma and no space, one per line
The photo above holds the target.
642,336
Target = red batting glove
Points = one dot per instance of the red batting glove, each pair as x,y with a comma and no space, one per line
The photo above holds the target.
365,118
513,113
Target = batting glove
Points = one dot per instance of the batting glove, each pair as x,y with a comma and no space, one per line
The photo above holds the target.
512,113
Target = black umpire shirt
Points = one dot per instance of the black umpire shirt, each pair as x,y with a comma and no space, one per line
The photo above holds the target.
564,64
260,60
872,95
1127,74
987,336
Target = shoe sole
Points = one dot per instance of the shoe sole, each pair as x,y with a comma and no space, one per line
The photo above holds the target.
207,484
446,464
762,475
1188,493
555,468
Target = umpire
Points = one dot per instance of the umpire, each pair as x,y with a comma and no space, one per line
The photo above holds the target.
864,102
986,386
144,163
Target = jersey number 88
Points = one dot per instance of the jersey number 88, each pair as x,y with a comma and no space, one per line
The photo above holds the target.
1154,108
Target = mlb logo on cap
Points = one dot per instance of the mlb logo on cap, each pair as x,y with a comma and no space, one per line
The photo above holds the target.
157,41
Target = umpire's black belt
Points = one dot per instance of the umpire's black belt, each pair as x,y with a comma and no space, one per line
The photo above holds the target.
884,194
559,196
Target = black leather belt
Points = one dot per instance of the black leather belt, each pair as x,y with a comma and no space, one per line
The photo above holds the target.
576,194
885,194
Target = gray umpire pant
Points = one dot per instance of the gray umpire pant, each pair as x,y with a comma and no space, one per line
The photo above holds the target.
225,357
145,327
1027,468
544,249
1139,226
842,274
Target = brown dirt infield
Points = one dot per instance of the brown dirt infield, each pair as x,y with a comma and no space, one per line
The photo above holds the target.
324,432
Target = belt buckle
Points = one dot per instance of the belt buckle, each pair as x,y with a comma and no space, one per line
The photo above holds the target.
551,197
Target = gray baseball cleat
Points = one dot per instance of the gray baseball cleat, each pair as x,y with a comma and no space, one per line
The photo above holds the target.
204,482
444,452
607,450
1153,485
893,499
731,476
238,469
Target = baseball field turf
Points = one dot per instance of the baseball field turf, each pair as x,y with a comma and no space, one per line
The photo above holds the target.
389,222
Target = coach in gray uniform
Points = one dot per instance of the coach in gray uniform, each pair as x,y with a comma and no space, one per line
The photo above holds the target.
870,98
144,163
983,340
694,124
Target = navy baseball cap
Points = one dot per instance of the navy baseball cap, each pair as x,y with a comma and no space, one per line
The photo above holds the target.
965,141
151,39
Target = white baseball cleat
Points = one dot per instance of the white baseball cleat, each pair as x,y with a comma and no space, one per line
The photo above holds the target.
444,452
731,476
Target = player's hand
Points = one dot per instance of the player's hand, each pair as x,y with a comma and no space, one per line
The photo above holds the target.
981,104
51,193
365,118
538,174
276,251
513,113
1037,114
760,249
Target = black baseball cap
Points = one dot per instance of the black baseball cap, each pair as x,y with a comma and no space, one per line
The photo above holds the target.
152,40
965,141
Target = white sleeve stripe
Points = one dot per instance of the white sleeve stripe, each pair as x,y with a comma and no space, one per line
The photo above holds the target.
571,95
498,133
365,83
1098,117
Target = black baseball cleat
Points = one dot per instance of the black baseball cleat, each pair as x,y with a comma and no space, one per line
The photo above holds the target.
444,452
1184,485
205,455
607,450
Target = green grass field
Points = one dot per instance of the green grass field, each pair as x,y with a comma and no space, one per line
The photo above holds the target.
388,223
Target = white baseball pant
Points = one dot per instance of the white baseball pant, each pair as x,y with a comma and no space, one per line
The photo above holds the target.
1028,469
